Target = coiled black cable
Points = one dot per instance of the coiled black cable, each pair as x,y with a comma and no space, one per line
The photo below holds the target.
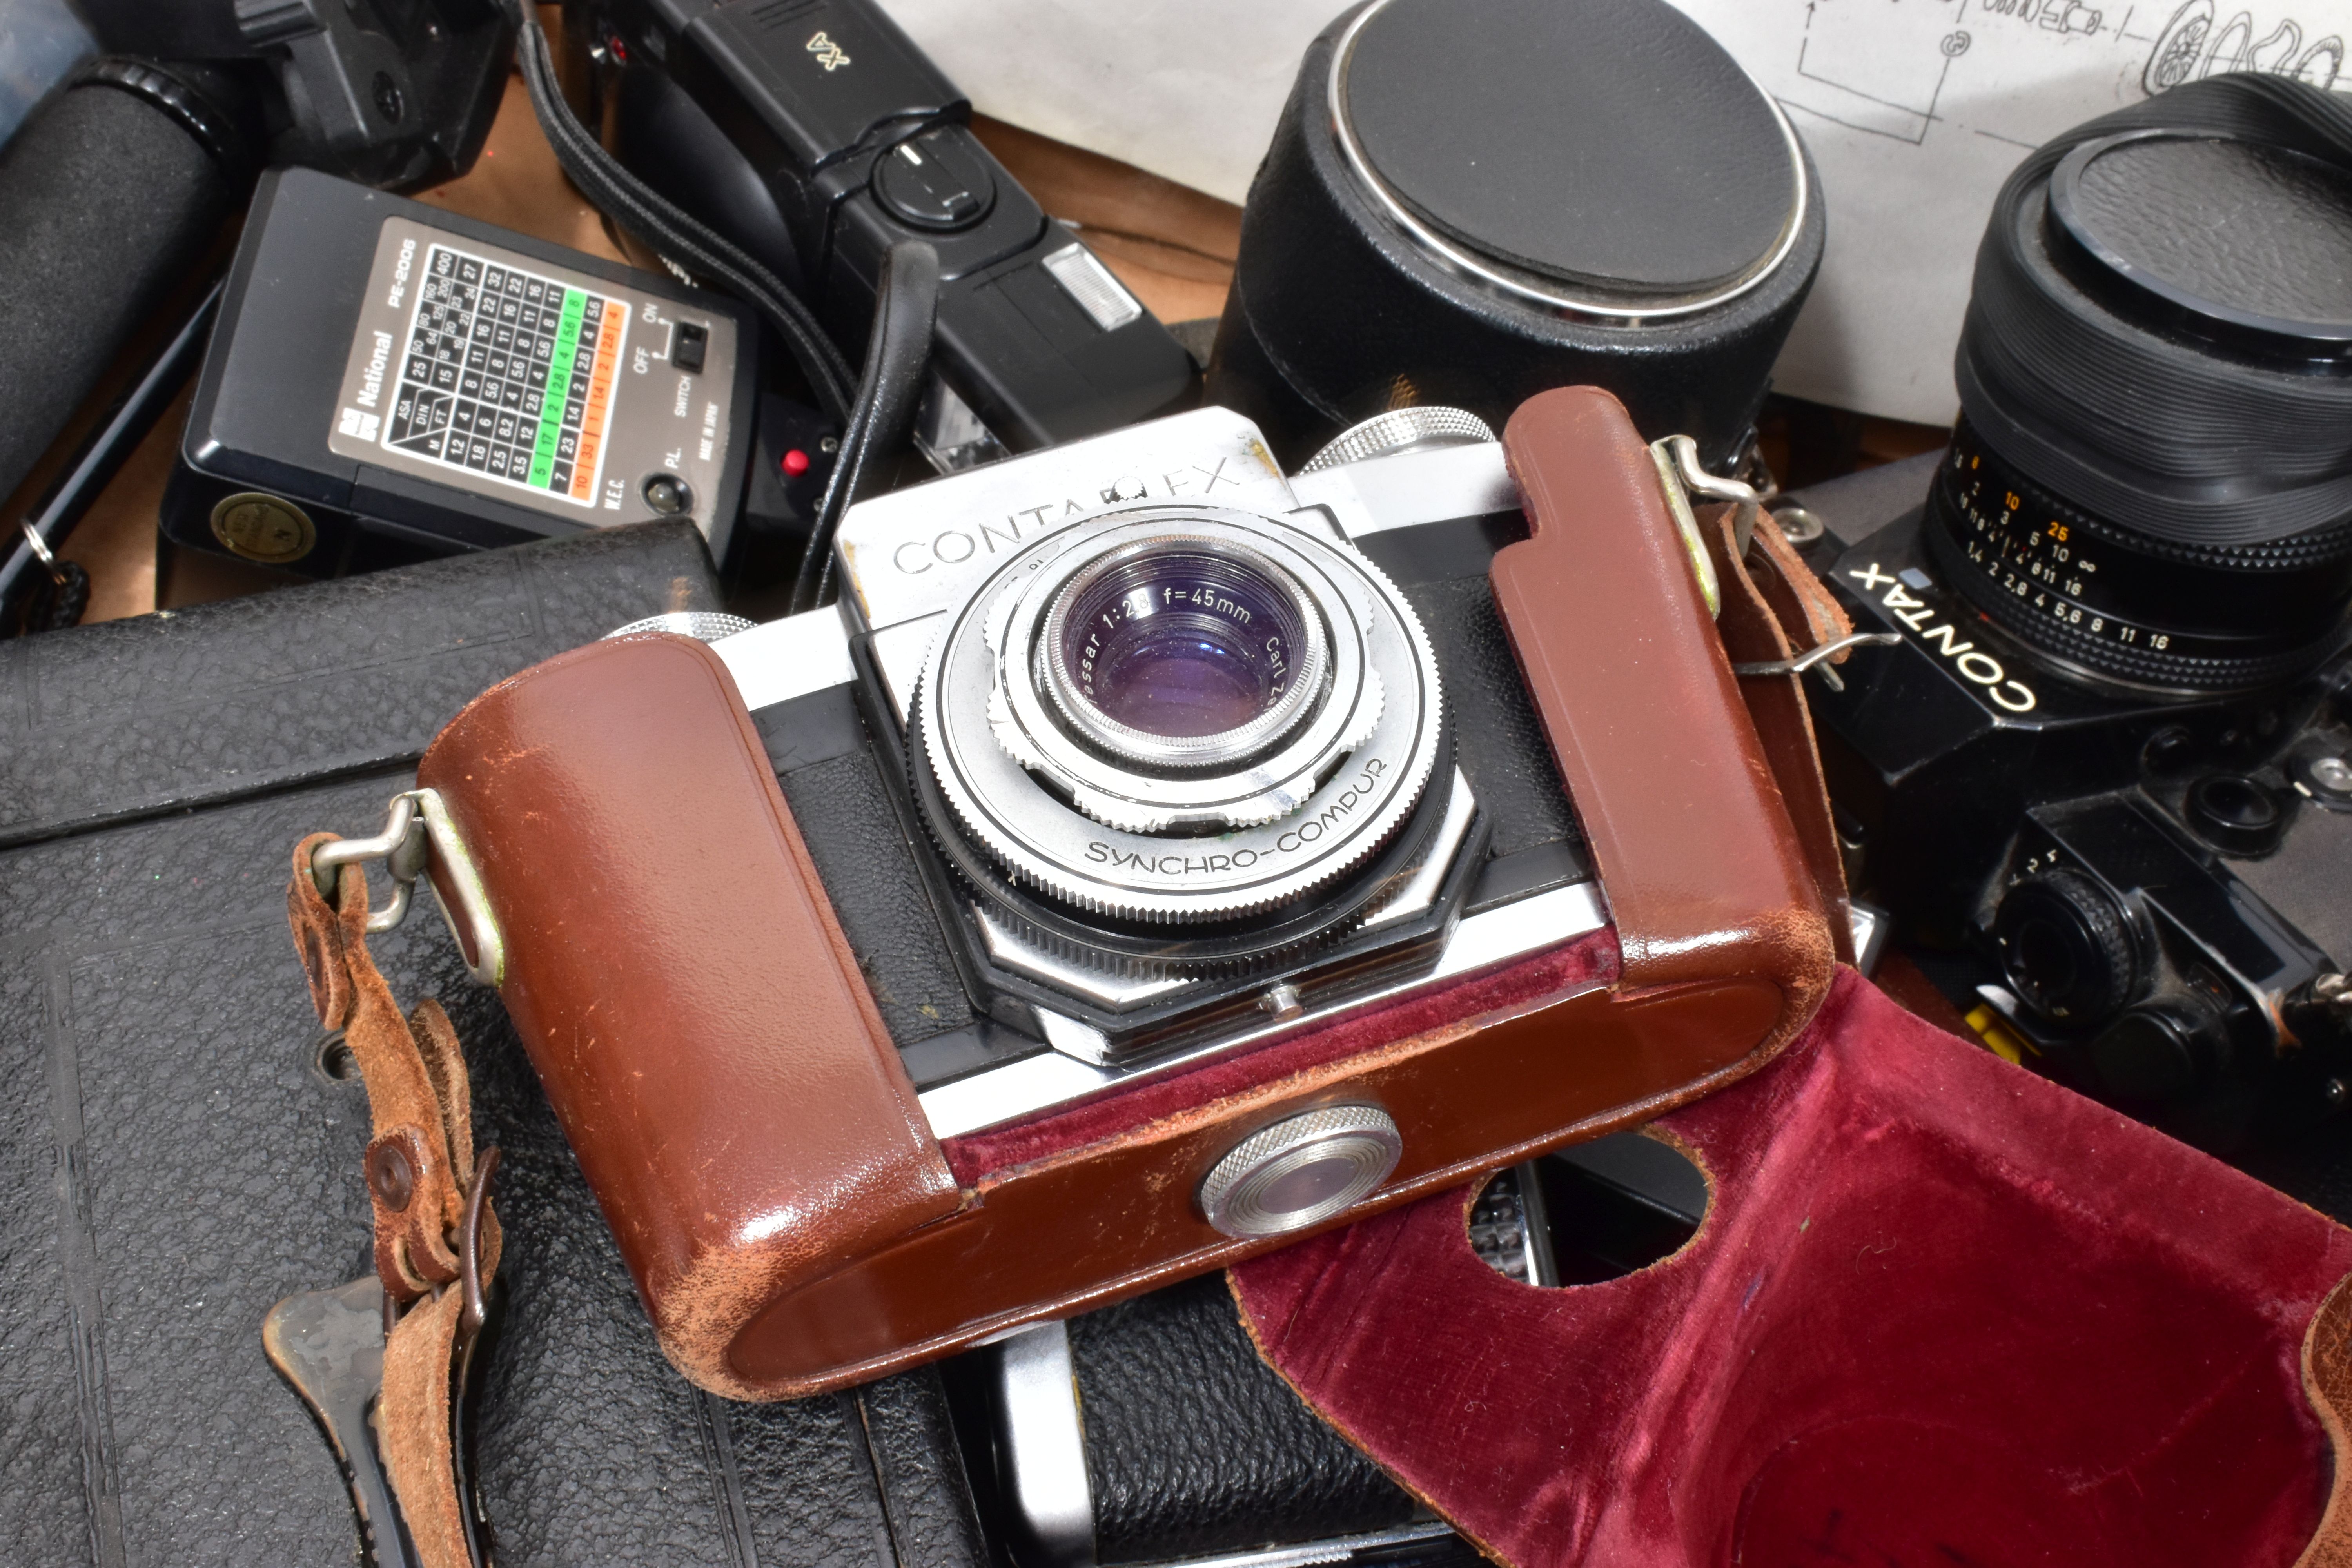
637,206
897,354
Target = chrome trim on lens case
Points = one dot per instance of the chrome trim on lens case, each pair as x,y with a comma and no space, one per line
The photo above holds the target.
1491,274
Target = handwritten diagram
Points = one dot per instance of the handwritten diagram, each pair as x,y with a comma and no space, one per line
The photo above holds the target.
1883,67
2196,43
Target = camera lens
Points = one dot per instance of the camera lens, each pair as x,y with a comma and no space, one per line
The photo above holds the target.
1179,736
2151,481
1182,652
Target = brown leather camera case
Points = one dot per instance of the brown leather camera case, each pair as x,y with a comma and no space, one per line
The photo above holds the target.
708,1042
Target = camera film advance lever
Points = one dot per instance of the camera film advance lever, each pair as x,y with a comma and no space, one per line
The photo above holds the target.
389,382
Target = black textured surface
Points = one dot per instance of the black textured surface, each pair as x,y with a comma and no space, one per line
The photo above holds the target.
2248,227
1609,143
174,1163
108,202
1336,314
868,867
1503,752
926,1494
1194,1444
168,711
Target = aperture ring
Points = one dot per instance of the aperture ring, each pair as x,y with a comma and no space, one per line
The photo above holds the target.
2092,593
2295,552
2049,622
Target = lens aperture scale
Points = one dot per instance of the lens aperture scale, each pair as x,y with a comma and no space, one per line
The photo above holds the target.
2089,597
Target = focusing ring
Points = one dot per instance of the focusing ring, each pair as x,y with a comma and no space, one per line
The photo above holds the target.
210,126
2093,596
1345,793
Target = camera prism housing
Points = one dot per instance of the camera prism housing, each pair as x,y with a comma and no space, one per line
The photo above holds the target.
896,987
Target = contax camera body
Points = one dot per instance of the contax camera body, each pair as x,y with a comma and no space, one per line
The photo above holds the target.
1152,857
2113,748
2161,883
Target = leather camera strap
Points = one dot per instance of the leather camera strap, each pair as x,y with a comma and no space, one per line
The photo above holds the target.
437,1239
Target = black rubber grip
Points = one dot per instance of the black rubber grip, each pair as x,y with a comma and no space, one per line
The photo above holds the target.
109,200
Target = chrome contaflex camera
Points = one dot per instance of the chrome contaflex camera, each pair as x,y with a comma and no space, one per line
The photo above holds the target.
1150,857
1172,739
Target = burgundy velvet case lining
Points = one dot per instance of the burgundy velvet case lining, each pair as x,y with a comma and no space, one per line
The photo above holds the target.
1941,1311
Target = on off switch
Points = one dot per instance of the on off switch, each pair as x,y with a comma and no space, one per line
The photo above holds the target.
688,347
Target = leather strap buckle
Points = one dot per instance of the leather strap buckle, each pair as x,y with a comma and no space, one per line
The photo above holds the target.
473,1267
437,1241
418,836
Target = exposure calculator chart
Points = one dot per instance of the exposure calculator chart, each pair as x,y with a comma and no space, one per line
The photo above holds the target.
509,374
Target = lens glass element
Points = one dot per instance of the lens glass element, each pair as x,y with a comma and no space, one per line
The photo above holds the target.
1180,640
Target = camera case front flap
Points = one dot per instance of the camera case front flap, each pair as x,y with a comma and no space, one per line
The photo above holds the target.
710,1043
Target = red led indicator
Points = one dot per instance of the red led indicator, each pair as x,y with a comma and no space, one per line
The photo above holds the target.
794,463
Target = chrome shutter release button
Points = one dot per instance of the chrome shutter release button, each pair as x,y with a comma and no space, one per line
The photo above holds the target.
1301,1171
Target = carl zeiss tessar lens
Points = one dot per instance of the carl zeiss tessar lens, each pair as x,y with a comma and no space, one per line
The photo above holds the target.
1183,653
1180,715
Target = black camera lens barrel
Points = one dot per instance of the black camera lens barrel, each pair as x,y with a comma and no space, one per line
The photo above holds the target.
112,190
2183,437
1467,205
2152,481
2091,596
